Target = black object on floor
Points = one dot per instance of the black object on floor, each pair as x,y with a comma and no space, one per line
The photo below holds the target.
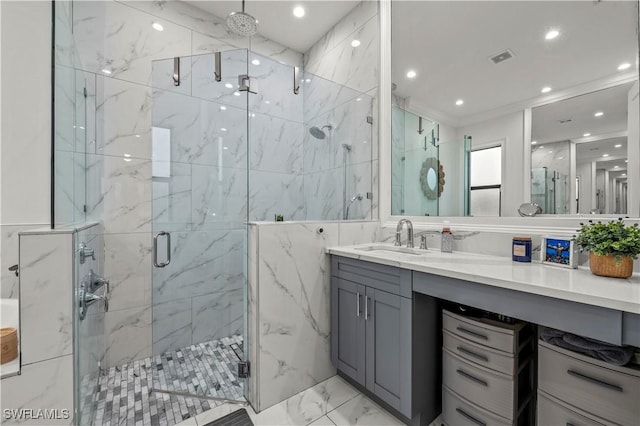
237,418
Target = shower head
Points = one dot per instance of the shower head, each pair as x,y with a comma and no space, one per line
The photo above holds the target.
318,133
242,23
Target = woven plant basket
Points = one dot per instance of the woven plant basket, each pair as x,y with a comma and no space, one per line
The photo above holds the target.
611,266
8,344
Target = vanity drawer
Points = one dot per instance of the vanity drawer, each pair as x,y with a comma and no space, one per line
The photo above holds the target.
552,412
486,388
476,331
478,354
381,277
458,412
608,393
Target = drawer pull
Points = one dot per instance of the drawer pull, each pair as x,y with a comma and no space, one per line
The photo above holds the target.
473,333
470,377
594,381
473,354
470,417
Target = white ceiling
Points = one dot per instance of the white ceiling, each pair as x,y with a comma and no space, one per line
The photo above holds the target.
276,20
449,43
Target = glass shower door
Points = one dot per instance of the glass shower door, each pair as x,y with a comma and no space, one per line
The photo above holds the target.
200,193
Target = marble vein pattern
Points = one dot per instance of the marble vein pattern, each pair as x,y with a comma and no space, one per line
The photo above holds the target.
329,403
128,335
272,193
119,39
128,267
291,278
355,67
273,82
46,384
123,118
45,296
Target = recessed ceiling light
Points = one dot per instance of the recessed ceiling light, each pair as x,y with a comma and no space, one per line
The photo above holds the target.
298,11
411,74
552,34
157,26
106,71
355,43
228,85
459,102
546,89
598,114
255,62
236,93
624,66
223,108
605,155
586,135
618,145
534,142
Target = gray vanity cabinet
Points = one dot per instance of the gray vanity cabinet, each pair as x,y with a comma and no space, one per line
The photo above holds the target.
376,342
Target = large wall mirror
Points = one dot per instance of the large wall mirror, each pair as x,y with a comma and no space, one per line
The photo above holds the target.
505,102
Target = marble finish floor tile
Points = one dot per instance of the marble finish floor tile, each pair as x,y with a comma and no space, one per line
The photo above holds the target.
125,393
362,411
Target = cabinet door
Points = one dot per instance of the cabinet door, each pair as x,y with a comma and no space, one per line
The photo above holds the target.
348,328
388,321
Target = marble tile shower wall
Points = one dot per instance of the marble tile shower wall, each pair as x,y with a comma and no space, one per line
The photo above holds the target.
341,89
117,48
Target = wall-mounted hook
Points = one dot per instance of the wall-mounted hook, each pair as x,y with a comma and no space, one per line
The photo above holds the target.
14,269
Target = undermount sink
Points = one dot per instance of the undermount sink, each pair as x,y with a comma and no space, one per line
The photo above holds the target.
381,247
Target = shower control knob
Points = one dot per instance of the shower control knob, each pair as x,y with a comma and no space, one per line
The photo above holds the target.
84,252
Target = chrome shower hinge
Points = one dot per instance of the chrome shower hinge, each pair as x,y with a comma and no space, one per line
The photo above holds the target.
244,369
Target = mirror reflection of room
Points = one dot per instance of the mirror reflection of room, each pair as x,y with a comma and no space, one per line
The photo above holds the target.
530,77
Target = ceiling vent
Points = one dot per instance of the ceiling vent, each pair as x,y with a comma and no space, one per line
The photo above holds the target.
501,57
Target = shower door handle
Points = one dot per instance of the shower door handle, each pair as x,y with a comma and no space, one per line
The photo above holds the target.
155,249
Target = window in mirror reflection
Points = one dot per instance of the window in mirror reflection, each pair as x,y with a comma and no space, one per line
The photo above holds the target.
485,181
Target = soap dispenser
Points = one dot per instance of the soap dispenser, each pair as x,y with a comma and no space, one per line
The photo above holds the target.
446,245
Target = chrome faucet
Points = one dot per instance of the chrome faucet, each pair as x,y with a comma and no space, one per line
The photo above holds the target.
401,222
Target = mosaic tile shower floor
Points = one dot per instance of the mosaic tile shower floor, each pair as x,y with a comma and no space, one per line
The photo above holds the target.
125,396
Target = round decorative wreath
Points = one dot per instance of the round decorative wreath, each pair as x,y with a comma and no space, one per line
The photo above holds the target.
432,164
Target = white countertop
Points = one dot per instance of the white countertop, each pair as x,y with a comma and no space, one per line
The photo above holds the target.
576,285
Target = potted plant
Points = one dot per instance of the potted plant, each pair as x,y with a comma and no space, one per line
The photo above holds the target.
612,247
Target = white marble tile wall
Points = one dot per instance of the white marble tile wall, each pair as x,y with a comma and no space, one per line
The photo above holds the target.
290,272
355,67
45,385
46,292
9,282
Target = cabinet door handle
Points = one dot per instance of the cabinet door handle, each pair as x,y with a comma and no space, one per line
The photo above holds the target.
471,377
594,381
470,417
473,333
473,354
366,308
357,304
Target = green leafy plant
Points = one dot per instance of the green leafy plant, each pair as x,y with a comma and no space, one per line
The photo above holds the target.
613,237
